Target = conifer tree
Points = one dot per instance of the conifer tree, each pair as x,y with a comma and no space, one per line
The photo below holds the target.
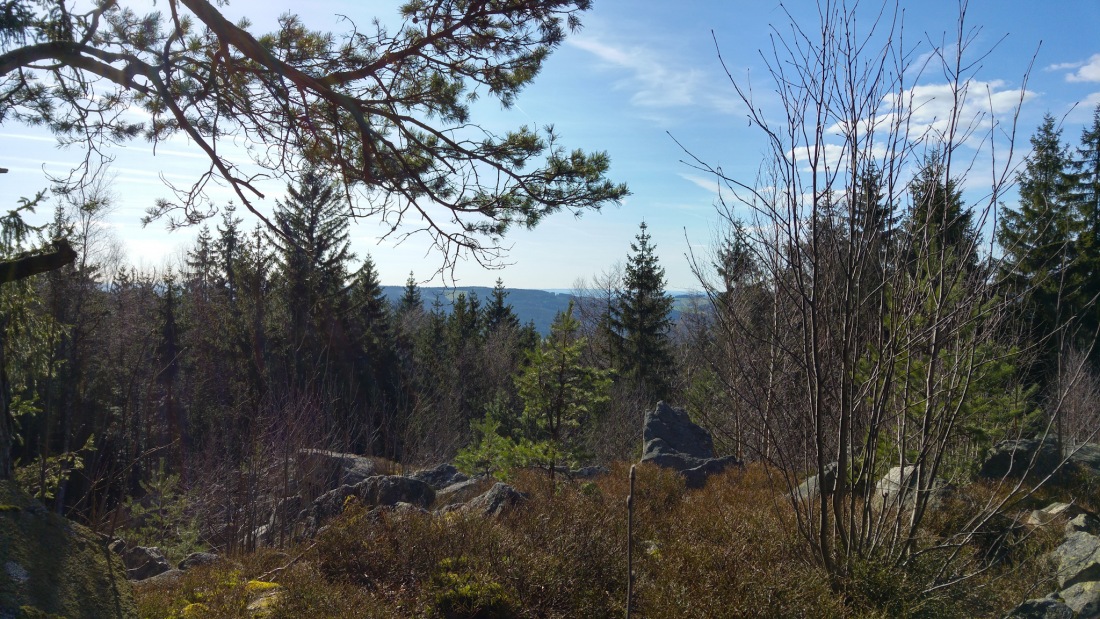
312,254
411,299
1037,238
499,314
642,320
228,249
939,225
1085,169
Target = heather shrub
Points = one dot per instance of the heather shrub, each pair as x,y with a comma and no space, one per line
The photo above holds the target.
729,550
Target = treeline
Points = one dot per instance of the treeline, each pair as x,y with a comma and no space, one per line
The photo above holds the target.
886,317
264,341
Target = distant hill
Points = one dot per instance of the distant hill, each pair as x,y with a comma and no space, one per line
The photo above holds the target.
539,306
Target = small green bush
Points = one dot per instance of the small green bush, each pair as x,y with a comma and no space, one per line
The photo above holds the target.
464,594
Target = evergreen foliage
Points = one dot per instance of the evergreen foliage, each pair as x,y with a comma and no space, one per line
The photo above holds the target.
1037,238
642,320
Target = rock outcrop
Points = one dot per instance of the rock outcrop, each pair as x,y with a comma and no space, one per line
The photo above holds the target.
441,476
1014,458
671,440
1039,458
321,468
50,566
500,499
378,491
143,561
1077,564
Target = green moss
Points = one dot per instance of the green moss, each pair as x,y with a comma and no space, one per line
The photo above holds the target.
9,508
29,612
63,569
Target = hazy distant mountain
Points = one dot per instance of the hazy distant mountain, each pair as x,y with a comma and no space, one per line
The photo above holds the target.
539,306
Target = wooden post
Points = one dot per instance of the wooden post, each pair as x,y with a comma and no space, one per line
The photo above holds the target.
630,544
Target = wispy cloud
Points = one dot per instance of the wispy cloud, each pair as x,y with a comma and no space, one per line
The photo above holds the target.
654,79
1064,66
709,184
1087,71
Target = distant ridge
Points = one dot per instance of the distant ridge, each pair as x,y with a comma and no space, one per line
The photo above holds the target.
538,306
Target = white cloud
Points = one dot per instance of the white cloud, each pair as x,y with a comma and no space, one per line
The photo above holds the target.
655,81
709,184
1063,66
968,111
1089,71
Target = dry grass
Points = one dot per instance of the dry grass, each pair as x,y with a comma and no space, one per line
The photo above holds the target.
726,551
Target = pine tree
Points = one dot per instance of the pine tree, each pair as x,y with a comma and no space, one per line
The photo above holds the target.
464,323
201,265
642,320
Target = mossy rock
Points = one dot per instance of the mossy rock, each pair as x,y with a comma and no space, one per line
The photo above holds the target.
50,567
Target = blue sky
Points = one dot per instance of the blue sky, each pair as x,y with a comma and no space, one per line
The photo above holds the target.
638,72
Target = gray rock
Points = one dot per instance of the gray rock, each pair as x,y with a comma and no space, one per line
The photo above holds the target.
440,476
1052,512
696,477
1088,523
325,508
1078,559
810,489
677,433
331,469
171,576
144,562
897,489
1014,458
673,441
501,498
53,567
393,489
1084,599
378,491
1045,608
462,491
1085,458
196,559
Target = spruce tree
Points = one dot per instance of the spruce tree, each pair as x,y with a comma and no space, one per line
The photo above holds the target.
939,227
312,254
1086,200
370,309
1037,239
642,320
499,314
411,299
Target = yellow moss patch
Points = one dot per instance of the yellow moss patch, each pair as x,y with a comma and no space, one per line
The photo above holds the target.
257,586
195,610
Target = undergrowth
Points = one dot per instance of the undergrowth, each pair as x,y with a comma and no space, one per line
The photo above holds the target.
727,551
